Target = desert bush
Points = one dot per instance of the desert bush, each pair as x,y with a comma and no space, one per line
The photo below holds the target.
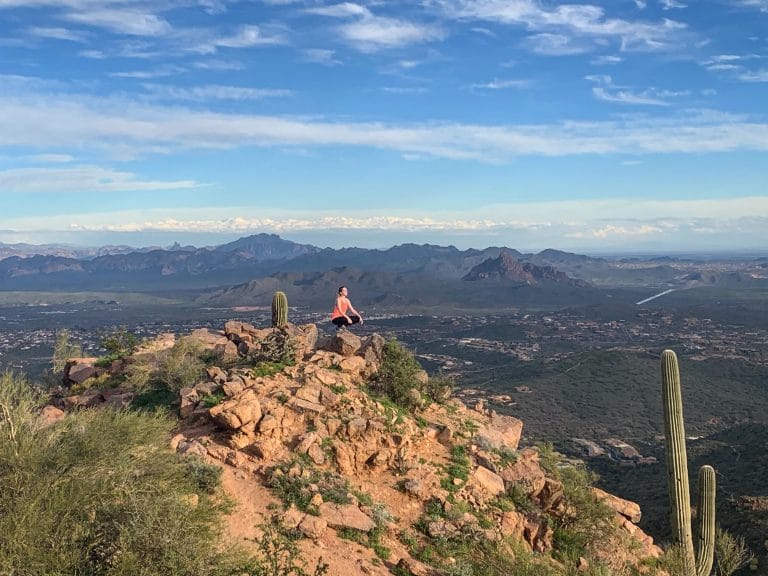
160,377
731,553
277,348
118,344
397,379
63,350
100,493
182,366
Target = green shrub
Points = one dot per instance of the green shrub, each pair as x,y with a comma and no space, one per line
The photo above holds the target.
397,379
158,378
63,350
100,493
277,348
119,343
731,553
181,366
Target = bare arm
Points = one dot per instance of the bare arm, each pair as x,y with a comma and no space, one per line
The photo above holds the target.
355,312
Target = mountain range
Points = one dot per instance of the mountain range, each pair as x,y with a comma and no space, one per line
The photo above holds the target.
258,256
247,270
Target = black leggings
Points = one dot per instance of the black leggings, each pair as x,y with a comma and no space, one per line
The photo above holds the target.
341,321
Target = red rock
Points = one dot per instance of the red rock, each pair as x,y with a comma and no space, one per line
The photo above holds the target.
346,516
626,508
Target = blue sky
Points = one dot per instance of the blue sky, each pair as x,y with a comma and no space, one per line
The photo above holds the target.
626,125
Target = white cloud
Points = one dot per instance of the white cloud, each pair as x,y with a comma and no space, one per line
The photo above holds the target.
755,76
548,44
497,84
322,56
607,91
215,92
122,21
56,33
761,5
219,65
80,179
404,90
343,10
248,36
610,231
159,72
51,158
608,59
47,117
93,54
368,32
375,33
626,222
671,4
570,20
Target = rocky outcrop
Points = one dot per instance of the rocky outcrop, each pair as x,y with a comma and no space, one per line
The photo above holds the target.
457,471
507,267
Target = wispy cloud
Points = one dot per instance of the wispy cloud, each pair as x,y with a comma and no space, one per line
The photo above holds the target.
56,33
368,32
500,84
51,158
754,75
605,60
548,44
219,65
51,120
215,92
737,66
158,72
322,56
585,21
247,36
121,20
671,4
761,5
607,91
81,179
611,231
404,90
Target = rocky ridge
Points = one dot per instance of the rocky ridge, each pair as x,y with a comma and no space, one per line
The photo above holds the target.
342,463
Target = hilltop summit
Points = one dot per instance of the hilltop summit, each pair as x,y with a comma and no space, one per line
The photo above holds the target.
377,478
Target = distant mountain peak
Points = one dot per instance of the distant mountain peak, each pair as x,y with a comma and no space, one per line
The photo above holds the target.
267,247
507,267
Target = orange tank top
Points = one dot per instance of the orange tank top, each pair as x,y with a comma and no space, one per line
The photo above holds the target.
340,308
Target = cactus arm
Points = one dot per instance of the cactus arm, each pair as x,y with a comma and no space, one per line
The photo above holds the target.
279,310
677,463
705,549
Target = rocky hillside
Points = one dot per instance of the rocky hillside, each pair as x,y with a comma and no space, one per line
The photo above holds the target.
304,429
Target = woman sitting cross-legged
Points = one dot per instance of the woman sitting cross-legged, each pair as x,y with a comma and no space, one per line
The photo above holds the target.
344,314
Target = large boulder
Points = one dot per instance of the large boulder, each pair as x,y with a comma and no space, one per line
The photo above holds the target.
501,432
237,412
526,472
343,343
487,482
626,508
345,516
78,370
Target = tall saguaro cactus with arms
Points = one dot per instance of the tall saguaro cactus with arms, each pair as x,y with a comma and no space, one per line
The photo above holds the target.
699,564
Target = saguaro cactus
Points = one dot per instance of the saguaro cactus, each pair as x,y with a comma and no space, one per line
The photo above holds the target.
279,310
677,476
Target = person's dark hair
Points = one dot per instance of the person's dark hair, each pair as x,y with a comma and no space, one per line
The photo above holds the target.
341,288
